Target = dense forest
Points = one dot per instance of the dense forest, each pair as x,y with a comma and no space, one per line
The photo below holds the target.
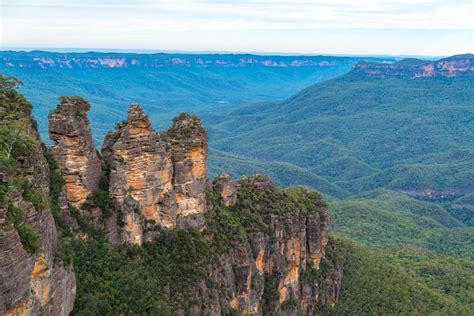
420,260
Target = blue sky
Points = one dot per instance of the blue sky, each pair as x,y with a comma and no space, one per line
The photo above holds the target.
394,27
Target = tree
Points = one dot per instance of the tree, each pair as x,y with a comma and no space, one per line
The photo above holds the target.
14,138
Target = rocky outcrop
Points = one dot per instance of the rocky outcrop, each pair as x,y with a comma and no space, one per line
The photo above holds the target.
293,245
164,173
188,142
415,68
276,270
273,240
96,60
32,281
226,188
74,150
141,169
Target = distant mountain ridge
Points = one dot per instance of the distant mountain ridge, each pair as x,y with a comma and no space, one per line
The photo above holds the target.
374,127
415,68
45,60
164,84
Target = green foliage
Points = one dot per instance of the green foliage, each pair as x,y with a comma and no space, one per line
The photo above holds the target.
447,274
223,225
255,204
64,250
284,174
100,199
371,286
85,222
29,238
339,131
14,138
384,219
418,236
164,92
153,279
30,195
270,294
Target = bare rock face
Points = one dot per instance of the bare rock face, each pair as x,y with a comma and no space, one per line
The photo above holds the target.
74,149
188,141
226,188
278,259
275,270
453,66
141,169
31,282
164,173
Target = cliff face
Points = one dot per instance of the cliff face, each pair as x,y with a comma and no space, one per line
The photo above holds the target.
188,142
48,60
414,68
164,176
74,149
32,280
266,244
276,258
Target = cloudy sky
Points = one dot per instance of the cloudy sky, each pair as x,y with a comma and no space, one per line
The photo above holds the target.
395,27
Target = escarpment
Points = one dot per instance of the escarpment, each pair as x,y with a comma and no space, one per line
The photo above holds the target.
453,66
74,150
33,278
247,247
288,243
158,181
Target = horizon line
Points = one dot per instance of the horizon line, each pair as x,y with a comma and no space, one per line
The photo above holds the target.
194,52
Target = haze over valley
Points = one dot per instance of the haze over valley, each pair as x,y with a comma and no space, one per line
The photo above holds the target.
175,171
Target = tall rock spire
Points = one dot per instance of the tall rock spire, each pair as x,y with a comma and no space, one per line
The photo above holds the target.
188,141
74,150
157,179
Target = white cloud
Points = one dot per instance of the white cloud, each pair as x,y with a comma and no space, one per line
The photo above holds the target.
124,23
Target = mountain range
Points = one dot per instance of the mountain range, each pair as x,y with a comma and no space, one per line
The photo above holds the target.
164,84
388,143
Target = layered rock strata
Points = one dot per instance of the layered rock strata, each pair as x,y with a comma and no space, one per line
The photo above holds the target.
226,188
452,66
187,140
271,272
31,282
74,150
165,174
294,244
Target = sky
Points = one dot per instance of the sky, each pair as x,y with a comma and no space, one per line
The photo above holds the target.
361,27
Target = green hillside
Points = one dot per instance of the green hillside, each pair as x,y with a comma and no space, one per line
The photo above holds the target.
362,132
374,286
164,84
421,237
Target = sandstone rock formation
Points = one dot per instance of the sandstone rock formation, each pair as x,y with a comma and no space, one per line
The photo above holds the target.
188,141
226,188
295,244
74,149
141,169
31,282
453,66
271,252
274,260
164,173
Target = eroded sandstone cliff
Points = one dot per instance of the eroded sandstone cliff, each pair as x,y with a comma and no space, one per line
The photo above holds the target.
74,150
163,174
33,280
453,66
261,246
289,243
